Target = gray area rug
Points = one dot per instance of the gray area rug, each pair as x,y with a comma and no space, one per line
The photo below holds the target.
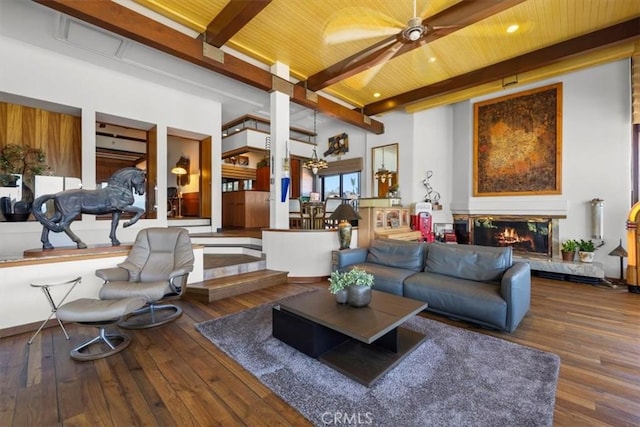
455,378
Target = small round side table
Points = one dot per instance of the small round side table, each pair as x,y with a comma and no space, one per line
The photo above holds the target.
54,307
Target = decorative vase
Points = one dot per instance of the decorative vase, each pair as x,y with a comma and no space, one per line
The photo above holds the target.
344,234
568,256
585,256
341,296
358,295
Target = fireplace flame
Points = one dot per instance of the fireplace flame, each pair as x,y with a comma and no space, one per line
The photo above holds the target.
510,236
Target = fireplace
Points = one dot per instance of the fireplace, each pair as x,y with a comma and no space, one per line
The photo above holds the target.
531,236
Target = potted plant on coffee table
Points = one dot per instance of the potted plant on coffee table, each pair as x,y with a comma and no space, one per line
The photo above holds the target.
569,248
338,286
586,250
359,288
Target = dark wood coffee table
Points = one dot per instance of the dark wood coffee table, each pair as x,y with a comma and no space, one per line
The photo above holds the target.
361,343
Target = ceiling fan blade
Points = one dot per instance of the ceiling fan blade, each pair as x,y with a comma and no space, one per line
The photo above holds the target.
359,23
364,78
353,34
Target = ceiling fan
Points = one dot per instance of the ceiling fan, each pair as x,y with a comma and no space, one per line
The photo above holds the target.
414,30
402,38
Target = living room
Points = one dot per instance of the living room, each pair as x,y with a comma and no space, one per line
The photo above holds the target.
596,147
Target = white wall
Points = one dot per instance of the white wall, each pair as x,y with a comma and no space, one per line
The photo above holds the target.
433,151
92,89
596,153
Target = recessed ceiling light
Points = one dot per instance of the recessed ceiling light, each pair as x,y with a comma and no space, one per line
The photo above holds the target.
431,60
376,95
512,28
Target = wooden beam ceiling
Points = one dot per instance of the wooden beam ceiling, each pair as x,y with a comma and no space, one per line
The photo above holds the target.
452,19
235,15
601,39
125,22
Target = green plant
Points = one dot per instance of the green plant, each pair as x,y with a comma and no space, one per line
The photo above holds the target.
23,160
586,246
20,159
570,246
357,276
338,281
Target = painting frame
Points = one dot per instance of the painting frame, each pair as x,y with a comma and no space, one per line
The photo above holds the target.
338,145
517,143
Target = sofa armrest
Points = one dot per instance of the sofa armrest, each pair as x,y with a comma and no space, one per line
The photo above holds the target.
115,274
180,272
516,291
347,257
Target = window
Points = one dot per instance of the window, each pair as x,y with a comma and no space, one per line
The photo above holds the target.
341,185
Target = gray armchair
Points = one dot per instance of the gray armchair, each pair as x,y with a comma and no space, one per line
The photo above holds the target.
156,270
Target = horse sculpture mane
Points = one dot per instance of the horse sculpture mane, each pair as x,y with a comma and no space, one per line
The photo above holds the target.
115,198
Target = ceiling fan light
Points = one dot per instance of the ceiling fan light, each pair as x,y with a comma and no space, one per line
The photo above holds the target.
414,34
414,29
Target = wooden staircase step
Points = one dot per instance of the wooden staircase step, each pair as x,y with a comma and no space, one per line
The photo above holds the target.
224,287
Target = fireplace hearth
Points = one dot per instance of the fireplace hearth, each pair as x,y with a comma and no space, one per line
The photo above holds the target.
530,236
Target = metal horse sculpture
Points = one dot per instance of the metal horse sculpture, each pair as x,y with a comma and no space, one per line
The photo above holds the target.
115,198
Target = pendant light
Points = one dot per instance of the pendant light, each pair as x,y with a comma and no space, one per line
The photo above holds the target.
315,163
383,174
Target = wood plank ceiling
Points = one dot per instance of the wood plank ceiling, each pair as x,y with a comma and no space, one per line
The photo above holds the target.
328,44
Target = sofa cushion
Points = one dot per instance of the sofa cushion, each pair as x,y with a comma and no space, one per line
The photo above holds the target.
464,299
386,279
471,262
397,253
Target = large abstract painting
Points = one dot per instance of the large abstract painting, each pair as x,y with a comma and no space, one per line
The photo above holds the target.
517,143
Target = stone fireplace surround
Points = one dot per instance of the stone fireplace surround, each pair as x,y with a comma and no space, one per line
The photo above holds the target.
551,208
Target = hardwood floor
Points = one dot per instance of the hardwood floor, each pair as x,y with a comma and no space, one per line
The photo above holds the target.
171,375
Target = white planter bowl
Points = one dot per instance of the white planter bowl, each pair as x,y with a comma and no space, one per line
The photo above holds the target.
585,256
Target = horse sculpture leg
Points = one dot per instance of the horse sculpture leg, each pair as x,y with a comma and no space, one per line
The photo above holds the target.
67,219
44,237
115,219
138,214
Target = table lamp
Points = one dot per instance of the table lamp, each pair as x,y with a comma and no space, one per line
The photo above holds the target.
179,172
343,214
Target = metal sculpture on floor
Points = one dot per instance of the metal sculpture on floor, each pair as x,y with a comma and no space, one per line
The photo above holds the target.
117,197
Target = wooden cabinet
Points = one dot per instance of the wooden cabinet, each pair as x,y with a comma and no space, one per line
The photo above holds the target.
245,209
389,223
263,178
191,204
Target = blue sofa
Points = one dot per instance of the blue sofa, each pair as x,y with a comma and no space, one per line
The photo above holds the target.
478,284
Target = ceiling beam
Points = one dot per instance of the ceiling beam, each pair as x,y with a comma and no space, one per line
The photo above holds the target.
460,15
607,37
235,15
130,24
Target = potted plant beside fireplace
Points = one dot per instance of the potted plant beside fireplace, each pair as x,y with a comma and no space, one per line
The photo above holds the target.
569,248
586,250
